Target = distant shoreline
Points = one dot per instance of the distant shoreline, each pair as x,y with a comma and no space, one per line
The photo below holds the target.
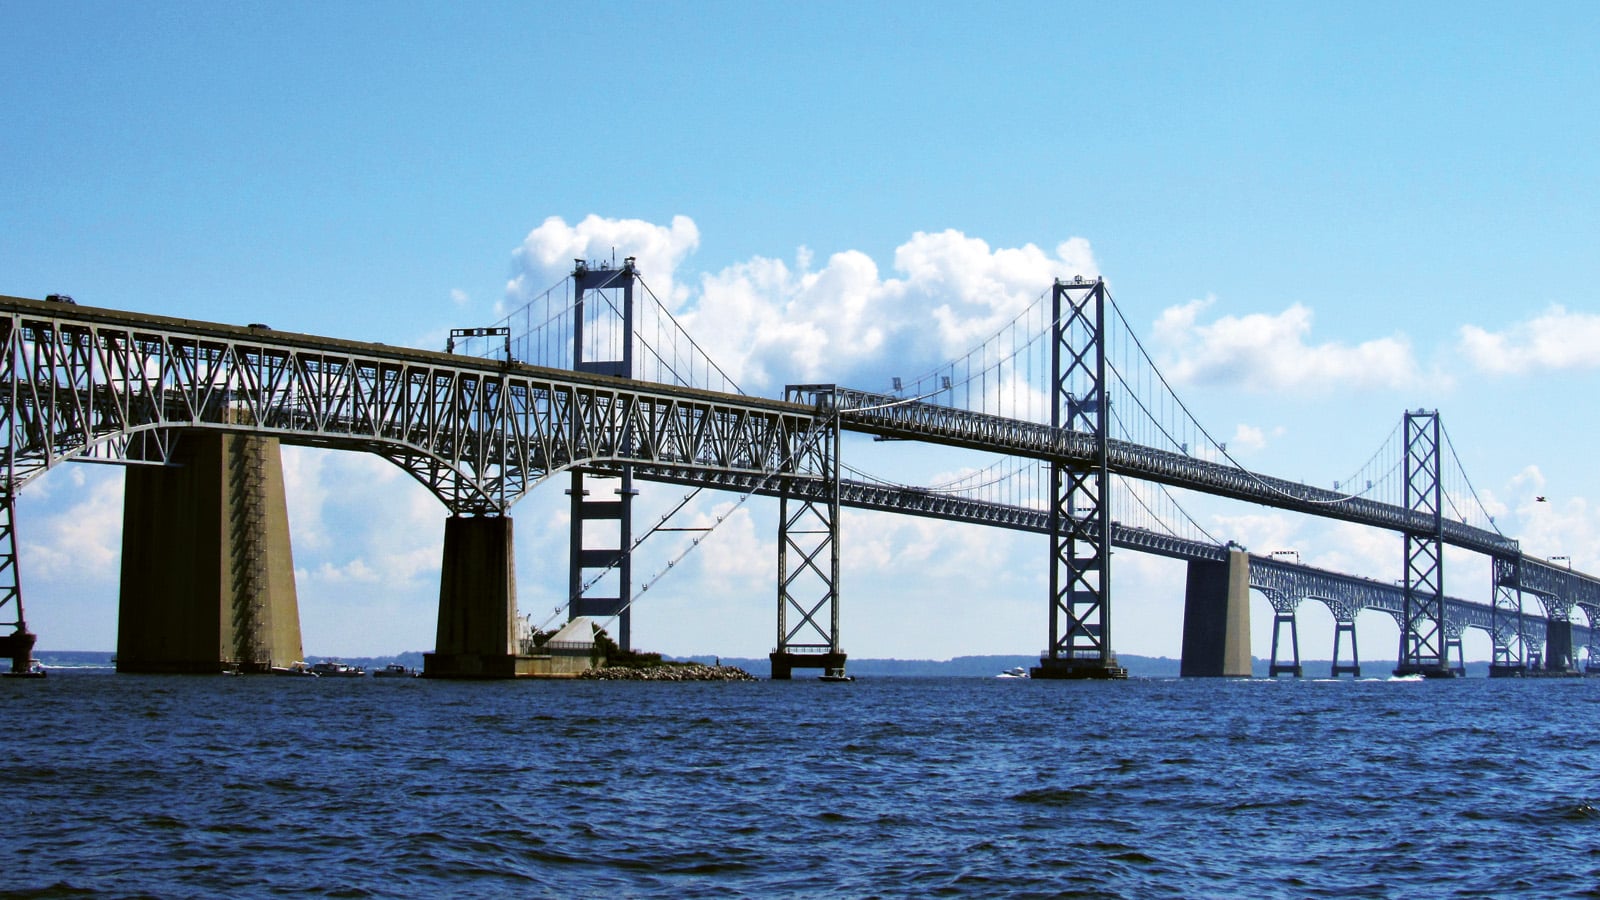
959,667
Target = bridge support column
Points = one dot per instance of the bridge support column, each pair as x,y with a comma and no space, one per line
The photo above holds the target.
1283,613
612,565
1422,633
477,602
1080,507
18,645
808,529
1508,631
207,571
1452,643
1342,627
1216,618
1558,646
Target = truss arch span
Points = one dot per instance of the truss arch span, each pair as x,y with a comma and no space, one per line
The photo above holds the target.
84,383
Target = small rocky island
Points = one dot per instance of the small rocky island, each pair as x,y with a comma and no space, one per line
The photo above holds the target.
586,651
668,671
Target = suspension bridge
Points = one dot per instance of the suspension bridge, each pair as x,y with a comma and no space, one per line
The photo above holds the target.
597,378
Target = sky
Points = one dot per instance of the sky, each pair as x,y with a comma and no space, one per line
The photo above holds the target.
1319,215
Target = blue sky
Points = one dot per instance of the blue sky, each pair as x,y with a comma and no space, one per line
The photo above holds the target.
1339,212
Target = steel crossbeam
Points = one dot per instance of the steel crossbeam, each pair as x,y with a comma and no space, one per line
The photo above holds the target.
82,383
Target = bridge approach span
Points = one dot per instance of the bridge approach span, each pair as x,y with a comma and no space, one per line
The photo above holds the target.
98,384
1267,573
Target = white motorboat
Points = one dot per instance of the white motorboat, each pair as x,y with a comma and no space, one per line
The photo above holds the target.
336,669
1016,672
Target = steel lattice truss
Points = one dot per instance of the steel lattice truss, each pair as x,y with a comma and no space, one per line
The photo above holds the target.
1345,595
1422,636
91,383
895,417
85,383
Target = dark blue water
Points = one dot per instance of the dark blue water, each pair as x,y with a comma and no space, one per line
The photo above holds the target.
206,787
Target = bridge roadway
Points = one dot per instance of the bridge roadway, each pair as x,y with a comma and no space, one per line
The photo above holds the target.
97,384
1268,574
898,418
82,383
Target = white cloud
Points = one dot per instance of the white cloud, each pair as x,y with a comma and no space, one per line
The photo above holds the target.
1263,352
1247,437
1556,340
846,322
83,540
766,324
459,297
547,254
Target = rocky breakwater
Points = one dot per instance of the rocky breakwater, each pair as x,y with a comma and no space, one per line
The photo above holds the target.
685,672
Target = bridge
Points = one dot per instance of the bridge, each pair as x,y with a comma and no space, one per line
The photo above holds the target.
581,387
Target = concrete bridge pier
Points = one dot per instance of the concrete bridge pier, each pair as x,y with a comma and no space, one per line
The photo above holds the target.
477,636
1342,627
1558,646
207,573
18,647
1216,618
1283,614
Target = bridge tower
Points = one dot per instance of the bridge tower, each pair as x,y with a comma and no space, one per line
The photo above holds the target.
808,528
18,645
602,504
1422,634
1080,508
1507,630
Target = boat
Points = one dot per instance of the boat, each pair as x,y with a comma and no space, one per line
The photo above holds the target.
33,671
335,669
1015,672
394,670
836,676
298,668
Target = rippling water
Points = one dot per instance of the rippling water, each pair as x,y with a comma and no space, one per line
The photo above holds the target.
193,786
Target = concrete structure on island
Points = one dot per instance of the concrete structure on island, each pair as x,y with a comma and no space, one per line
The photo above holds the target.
207,571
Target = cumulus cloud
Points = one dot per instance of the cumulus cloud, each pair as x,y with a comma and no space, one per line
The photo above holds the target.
1555,340
547,254
83,541
1247,437
1266,352
767,322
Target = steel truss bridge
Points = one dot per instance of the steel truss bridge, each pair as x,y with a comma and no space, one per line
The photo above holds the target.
80,383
